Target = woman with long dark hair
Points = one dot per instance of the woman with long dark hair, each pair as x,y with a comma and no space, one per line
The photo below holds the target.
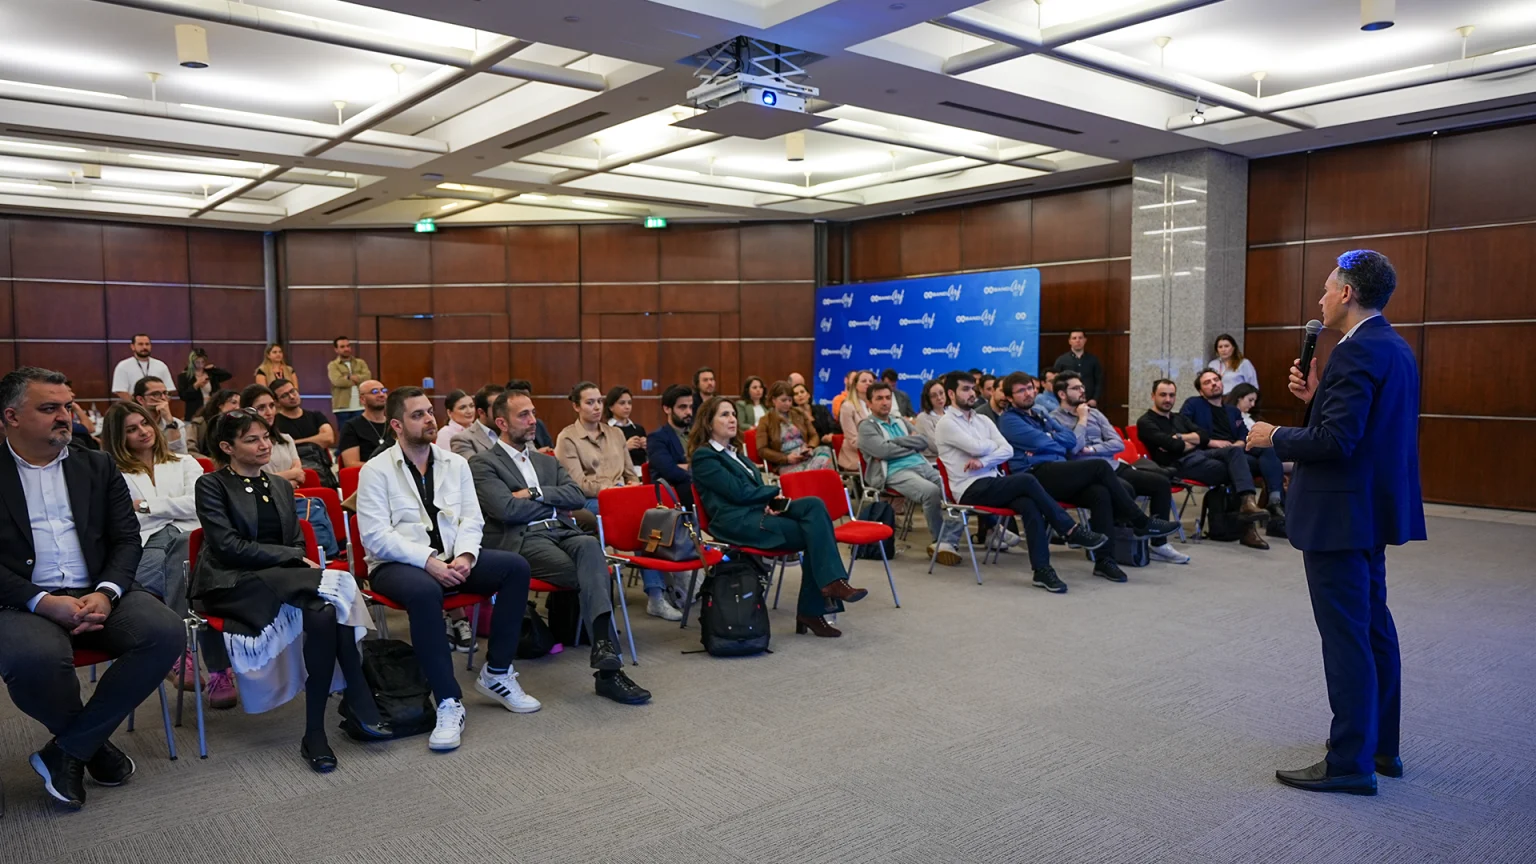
618,410
786,436
198,427
460,408
1230,364
753,405
1245,398
821,418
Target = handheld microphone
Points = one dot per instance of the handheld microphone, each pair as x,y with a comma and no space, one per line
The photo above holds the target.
1309,346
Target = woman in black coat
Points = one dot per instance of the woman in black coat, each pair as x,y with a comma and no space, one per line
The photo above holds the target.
252,572
821,417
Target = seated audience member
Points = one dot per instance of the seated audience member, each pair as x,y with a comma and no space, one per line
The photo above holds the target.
1231,365
368,432
1046,394
253,573
274,367
821,419
855,410
150,392
541,437
283,460
893,460
796,378
523,494
347,374
198,427
197,382
618,410
1245,398
849,381
304,427
902,407
67,560
1173,440
932,402
591,451
664,447
972,450
1096,438
704,385
1041,446
480,435
1223,427
460,408
420,524
991,401
745,511
753,404
786,436
141,365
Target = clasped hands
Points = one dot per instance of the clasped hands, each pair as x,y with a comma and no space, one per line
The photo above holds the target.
76,614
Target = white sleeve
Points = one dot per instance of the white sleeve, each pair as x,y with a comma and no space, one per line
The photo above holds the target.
471,521
121,378
182,506
168,377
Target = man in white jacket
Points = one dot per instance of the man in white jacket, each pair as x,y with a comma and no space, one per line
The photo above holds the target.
421,525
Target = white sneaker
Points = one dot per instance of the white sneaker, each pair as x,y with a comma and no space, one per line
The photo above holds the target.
1011,539
1166,552
660,608
459,636
948,555
505,689
450,725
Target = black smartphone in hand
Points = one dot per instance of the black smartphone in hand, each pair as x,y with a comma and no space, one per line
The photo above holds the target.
779,504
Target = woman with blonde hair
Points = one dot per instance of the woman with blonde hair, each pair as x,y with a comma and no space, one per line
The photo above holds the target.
855,410
274,366
786,436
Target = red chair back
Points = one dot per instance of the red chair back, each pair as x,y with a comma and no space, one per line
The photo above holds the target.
348,478
645,474
619,512
194,545
330,498
1133,437
944,476
749,438
358,556
311,478
836,440
311,546
208,466
823,483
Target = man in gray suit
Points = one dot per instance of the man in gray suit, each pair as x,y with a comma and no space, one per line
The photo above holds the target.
523,494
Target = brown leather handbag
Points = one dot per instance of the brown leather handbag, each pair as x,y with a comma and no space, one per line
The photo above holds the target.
665,532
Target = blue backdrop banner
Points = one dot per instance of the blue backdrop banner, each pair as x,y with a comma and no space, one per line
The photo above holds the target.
926,327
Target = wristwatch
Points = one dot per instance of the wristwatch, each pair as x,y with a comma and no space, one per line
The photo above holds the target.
535,493
111,595
143,507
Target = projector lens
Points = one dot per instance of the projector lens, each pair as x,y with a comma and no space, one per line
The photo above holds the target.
770,98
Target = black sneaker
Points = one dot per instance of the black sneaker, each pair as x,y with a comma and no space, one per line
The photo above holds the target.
63,775
1107,568
459,636
1086,538
110,766
1158,528
620,689
1046,578
605,656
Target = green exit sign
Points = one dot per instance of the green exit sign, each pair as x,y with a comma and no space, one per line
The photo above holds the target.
426,226
655,222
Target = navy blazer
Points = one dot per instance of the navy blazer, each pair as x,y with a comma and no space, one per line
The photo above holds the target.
664,452
1200,411
1356,484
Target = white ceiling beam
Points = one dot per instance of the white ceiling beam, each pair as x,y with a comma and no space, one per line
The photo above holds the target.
114,195
638,156
896,139
189,166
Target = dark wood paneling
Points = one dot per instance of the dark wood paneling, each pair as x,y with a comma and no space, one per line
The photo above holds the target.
618,253
930,243
699,298
688,325
469,300
628,326
319,258
225,257
876,250
1484,176
1462,376
5,247
88,366
1407,255
543,253
784,251
469,255
834,273
601,299
550,366
773,361
775,311
316,313
242,360
394,257
545,312
1114,353
461,352
1271,352
230,313
699,253
7,324
1074,297
1480,274
1454,473
996,235
625,364
56,249
405,351
1274,287
308,362
162,311
1277,199
144,253
1120,221
1071,226
677,361
1371,189
1117,297
555,411
51,310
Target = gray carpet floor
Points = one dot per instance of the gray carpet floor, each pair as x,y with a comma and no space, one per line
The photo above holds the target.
995,723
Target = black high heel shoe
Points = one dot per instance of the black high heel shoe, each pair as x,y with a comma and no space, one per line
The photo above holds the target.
320,756
380,731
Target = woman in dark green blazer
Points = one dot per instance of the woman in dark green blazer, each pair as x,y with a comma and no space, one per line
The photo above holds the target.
734,497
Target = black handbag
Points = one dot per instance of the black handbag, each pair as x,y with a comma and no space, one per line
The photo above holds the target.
664,531
537,639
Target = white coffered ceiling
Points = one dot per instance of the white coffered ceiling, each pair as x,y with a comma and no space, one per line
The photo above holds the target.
472,111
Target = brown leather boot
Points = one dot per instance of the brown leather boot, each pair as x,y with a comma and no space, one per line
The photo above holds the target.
841,590
817,625
1252,539
1250,511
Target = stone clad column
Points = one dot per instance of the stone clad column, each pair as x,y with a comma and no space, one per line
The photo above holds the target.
1189,227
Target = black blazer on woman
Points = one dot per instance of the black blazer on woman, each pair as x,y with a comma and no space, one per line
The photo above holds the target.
228,515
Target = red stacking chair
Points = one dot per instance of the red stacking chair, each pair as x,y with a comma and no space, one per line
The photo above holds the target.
749,438
208,466
85,657
1183,484
895,499
332,501
311,478
779,560
348,479
619,513
828,486
993,548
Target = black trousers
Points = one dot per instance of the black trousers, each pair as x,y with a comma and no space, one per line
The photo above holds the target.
1024,495
1091,483
1156,488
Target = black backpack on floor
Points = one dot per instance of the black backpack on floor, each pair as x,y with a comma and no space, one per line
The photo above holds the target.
879,511
1219,510
1129,550
733,612
399,687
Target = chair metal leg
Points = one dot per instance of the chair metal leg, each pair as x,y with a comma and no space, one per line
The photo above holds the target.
474,641
191,631
780,589
889,578
165,717
197,679
629,631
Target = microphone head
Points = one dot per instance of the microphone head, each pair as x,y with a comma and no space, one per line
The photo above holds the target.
1314,327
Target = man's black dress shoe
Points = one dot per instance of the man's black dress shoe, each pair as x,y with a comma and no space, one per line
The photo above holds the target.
605,656
320,756
63,775
619,688
1386,766
110,766
1314,778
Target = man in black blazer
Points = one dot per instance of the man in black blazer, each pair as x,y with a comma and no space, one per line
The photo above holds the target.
68,552
524,494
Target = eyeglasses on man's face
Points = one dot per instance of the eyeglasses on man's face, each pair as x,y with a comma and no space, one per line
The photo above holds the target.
379,391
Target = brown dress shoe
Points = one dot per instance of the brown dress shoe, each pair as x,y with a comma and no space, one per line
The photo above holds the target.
1252,539
817,625
841,590
1250,511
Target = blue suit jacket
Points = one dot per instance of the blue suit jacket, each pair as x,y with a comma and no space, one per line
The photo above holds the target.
664,452
1200,411
1356,484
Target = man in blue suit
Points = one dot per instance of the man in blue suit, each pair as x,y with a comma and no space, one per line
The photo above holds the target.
664,447
1355,490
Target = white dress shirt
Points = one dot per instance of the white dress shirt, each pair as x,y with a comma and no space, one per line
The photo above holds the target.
131,370
392,518
59,561
729,452
525,465
170,494
1358,323
963,438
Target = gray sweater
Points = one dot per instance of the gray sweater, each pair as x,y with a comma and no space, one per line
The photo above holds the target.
877,445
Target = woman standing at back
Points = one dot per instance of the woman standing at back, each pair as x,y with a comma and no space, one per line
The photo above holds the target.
1231,365
273,367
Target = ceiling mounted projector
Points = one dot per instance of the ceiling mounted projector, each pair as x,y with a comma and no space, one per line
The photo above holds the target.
750,89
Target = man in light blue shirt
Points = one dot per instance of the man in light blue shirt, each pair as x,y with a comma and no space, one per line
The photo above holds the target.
893,460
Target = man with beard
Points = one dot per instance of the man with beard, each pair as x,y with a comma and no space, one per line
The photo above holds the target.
140,365
368,432
420,523
664,447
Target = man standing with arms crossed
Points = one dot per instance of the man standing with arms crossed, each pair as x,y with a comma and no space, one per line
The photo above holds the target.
1355,490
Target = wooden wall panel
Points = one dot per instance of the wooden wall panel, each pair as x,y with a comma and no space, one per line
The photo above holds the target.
1407,254
1463,189
5,247
225,257
1117,298
698,253
773,361
1277,199
54,310
549,366
309,363
545,312
1274,287
778,311
469,256
996,235
930,243
144,253
834,272
162,311
1481,274
318,313
394,301
876,250
625,364
393,257
601,299
461,352
778,252
687,325
469,299
1462,376
1114,353
1120,221
405,351
89,366
319,258
700,298
229,313
543,253
678,360
1455,473
1074,297
1071,226
1372,189
7,323
56,249
618,253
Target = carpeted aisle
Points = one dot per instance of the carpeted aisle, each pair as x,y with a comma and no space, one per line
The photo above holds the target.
1132,723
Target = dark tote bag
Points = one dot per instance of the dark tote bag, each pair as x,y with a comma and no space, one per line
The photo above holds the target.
399,687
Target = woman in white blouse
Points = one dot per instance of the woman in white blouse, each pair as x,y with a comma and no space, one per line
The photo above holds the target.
285,461
932,402
1230,364
460,407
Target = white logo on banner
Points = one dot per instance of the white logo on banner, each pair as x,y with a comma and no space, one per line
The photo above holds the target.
894,351
986,318
826,325
1012,349
844,352
1017,289
919,375
952,292
895,296
952,350
1021,316
927,321
873,323
824,374
845,301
